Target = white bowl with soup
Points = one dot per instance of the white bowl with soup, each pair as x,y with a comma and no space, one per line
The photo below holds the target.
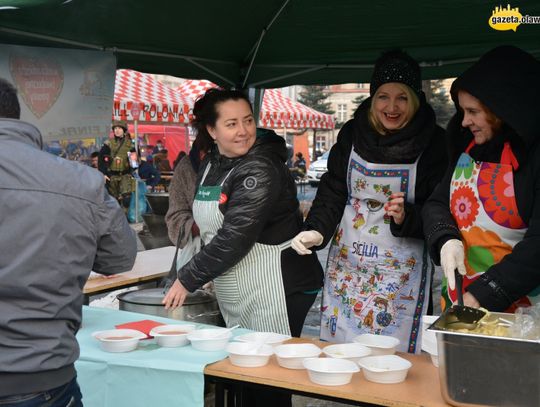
119,340
172,336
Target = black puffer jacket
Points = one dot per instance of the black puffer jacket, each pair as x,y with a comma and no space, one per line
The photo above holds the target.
507,81
421,137
261,207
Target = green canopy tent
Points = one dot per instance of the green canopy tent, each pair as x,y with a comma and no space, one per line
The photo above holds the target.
271,43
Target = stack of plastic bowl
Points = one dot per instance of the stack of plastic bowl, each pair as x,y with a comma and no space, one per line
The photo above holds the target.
378,344
330,371
385,368
291,356
249,354
209,340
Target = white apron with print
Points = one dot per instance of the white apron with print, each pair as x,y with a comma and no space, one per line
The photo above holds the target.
251,293
375,282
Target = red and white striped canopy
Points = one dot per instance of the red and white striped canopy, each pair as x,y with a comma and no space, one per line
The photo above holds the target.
277,111
138,96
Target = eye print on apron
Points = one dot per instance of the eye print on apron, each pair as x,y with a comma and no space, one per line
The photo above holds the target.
375,282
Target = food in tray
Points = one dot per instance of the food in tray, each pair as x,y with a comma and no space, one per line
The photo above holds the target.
489,325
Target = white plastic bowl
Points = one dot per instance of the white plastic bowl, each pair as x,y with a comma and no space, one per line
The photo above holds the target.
292,355
429,339
119,340
329,371
379,344
350,351
248,354
172,336
268,338
209,340
385,368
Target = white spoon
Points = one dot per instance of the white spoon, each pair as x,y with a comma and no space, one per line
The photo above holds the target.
232,328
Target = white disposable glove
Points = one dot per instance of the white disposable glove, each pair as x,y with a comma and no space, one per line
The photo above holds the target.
304,240
453,257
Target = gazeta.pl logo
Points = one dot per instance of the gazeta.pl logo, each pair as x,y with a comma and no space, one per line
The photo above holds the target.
505,19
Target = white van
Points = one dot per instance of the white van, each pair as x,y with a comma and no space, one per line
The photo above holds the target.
317,169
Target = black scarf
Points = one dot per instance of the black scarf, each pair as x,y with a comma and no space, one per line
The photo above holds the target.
400,147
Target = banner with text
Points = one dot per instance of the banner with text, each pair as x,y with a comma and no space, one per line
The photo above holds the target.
66,94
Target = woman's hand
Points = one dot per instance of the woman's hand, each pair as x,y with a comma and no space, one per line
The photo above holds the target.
304,240
470,301
395,207
175,296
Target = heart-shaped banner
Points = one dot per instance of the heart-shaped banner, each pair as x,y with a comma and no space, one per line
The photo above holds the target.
39,81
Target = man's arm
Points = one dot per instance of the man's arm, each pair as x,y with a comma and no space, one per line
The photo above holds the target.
117,245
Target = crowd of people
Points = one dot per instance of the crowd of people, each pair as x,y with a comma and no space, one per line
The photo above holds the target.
402,199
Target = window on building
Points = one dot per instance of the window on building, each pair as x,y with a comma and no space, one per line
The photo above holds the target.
342,112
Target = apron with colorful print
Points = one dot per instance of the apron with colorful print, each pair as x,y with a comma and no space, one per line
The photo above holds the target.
251,293
483,204
375,282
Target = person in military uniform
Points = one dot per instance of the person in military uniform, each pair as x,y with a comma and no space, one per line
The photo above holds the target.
114,163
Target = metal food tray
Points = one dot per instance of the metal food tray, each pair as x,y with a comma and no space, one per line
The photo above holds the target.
482,370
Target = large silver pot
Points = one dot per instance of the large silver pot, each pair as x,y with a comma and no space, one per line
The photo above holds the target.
151,242
155,224
159,202
200,306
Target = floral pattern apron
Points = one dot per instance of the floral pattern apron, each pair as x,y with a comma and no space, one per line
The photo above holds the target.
375,282
251,293
483,204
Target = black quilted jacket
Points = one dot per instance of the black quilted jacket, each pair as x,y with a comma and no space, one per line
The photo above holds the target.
261,207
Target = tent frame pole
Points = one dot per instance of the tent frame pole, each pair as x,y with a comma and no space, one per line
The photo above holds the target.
255,48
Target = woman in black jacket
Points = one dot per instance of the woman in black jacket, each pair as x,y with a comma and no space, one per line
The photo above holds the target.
247,212
387,161
484,217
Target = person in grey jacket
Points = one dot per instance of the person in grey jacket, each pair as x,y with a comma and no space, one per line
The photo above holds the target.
57,224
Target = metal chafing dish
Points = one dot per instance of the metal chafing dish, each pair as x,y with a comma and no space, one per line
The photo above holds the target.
476,369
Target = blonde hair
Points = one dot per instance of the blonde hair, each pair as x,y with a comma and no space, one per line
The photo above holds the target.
413,103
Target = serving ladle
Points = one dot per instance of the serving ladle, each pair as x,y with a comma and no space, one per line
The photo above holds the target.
460,316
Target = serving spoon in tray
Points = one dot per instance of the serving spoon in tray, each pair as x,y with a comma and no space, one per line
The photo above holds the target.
460,316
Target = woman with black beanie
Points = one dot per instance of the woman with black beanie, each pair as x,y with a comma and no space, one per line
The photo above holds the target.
386,162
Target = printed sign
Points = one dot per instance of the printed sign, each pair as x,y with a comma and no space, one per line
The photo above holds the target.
66,94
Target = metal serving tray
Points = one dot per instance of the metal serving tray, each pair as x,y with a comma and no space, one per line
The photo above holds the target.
481,370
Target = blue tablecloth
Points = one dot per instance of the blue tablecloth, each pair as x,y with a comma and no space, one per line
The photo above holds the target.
148,376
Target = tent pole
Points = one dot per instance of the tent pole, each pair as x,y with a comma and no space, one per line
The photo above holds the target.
255,48
256,97
187,139
135,128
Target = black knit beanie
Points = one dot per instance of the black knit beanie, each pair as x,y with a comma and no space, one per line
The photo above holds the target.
396,66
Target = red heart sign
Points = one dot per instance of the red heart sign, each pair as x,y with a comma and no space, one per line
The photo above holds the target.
39,81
